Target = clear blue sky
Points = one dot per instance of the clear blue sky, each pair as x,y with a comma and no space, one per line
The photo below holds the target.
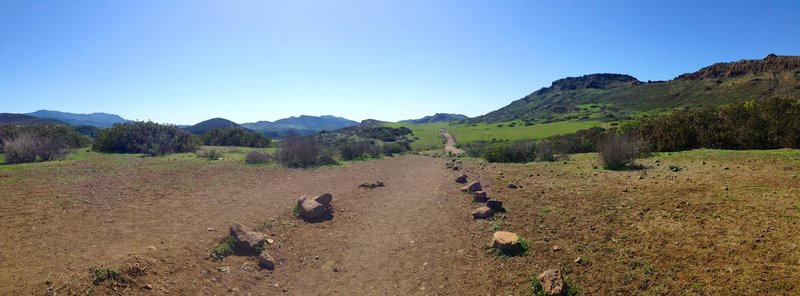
187,61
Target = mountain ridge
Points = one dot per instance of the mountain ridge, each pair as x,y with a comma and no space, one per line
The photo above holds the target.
97,119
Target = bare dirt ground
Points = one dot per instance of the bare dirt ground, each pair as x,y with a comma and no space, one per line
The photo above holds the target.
450,144
724,227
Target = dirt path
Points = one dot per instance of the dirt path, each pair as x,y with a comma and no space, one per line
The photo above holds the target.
450,143
413,236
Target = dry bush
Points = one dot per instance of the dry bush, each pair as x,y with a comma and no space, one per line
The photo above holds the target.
256,157
617,152
29,147
295,151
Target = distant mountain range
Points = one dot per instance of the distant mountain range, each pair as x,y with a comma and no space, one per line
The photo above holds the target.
23,119
93,119
302,125
438,117
620,95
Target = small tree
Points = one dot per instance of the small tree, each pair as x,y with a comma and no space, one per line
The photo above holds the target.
618,151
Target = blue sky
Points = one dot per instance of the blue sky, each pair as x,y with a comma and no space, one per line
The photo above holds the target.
186,61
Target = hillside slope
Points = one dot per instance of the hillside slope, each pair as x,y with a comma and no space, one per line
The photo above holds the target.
621,95
205,126
303,124
23,119
438,117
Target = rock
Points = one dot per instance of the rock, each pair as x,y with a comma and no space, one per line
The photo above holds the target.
494,204
245,238
311,209
479,196
625,189
371,185
556,248
209,229
324,199
270,241
148,287
579,260
512,186
461,179
266,261
507,242
455,168
552,282
472,187
152,248
482,213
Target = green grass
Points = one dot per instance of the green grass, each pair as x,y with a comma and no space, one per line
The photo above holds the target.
222,249
429,138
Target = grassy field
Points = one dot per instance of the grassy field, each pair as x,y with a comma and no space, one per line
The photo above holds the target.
429,138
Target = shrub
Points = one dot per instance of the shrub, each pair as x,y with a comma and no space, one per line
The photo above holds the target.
355,149
59,133
256,157
210,154
295,151
144,137
390,149
29,147
618,151
235,137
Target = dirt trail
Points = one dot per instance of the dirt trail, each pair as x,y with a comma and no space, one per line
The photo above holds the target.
450,143
413,236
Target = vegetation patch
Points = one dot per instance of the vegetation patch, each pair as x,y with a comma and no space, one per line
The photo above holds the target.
223,249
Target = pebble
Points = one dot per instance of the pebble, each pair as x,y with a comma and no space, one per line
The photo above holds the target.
270,241
152,248
556,248
209,229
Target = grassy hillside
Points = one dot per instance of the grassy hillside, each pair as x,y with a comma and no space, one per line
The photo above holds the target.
624,96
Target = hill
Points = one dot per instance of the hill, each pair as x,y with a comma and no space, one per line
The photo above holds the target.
303,125
23,119
205,126
611,96
438,117
93,119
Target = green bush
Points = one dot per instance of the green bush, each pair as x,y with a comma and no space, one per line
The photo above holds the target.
359,149
235,137
144,137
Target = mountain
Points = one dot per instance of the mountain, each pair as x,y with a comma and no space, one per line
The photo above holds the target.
611,96
438,117
24,119
93,119
205,126
302,125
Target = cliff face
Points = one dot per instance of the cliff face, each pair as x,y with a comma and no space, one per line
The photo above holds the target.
772,64
596,81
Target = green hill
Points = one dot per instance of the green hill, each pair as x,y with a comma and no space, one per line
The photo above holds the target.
608,97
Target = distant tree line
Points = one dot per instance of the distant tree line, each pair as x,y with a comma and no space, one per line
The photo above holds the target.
235,137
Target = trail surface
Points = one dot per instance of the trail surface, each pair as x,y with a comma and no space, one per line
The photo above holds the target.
414,236
450,143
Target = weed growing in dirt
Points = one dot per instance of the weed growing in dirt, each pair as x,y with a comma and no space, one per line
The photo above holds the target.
538,290
104,274
296,211
267,224
495,227
222,249
797,205
523,245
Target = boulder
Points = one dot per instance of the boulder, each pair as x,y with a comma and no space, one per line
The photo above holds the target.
324,199
461,179
266,261
310,209
246,239
494,204
552,282
480,196
472,187
507,242
482,213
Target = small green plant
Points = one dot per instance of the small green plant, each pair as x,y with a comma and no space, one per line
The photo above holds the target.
296,211
223,249
101,274
267,224
536,287
523,245
495,227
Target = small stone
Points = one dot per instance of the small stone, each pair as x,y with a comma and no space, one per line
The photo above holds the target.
494,204
725,188
461,179
472,187
266,261
512,186
336,269
552,282
209,229
482,213
152,248
556,248
479,196
625,189
148,287
578,260
270,241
